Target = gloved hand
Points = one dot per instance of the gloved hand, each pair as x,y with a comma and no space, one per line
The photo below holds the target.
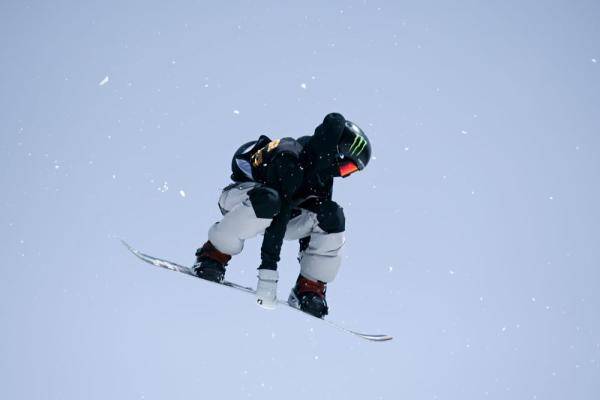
266,288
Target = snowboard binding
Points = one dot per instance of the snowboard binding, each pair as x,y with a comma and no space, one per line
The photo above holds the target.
210,270
309,296
210,263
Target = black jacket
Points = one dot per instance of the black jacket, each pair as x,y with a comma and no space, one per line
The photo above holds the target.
301,171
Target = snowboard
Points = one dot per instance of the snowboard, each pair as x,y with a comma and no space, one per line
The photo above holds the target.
232,285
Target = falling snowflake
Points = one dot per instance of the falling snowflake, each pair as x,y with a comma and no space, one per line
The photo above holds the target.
164,187
103,81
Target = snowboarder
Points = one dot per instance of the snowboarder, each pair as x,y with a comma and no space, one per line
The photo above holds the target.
282,188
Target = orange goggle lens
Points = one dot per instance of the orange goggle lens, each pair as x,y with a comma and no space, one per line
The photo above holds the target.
347,168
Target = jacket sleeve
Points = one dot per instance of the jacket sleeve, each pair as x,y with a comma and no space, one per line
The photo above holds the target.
273,239
328,134
321,150
286,178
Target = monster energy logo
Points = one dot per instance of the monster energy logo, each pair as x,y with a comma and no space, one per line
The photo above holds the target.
358,145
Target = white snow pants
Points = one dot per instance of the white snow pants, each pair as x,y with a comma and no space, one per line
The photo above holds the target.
319,261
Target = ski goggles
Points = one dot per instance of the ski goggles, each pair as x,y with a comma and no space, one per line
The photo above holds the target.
347,168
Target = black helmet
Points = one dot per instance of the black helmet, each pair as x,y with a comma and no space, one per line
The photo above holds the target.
354,149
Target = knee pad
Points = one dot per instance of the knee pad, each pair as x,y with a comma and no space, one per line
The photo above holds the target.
331,217
265,202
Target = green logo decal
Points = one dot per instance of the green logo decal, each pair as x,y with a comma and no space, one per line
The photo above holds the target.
358,145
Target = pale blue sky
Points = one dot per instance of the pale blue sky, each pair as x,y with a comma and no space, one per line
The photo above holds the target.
472,237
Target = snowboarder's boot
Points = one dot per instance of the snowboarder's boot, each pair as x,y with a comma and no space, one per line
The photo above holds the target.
309,296
210,263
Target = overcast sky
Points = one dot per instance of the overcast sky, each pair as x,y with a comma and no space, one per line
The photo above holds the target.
472,237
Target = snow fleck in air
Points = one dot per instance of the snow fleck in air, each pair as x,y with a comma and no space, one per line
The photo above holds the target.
173,62
316,357
451,272
533,299
164,187
481,298
390,268
406,148
56,166
236,112
503,329
464,132
103,81
594,60
182,193
114,176
550,197
303,85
